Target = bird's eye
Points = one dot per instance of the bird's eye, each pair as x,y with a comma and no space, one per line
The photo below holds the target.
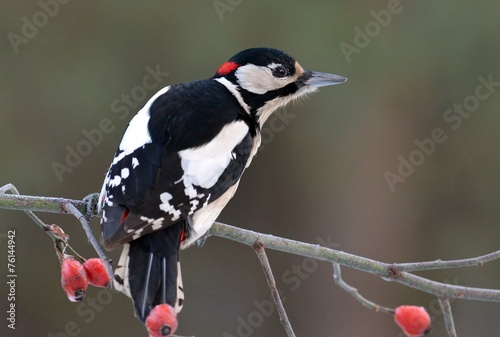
280,72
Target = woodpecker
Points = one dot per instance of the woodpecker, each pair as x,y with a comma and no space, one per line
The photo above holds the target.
180,161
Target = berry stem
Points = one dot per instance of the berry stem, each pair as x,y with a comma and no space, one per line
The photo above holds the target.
337,277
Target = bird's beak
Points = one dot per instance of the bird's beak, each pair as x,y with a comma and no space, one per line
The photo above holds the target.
317,79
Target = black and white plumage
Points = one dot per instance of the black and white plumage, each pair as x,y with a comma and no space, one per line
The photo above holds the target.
180,162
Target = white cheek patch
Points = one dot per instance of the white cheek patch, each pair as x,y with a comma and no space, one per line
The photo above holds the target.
204,165
259,79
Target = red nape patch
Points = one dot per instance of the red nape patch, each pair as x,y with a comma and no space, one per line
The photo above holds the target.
227,67
125,215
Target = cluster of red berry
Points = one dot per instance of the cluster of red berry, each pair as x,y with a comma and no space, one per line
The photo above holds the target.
75,276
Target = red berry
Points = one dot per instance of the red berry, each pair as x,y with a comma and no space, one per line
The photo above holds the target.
414,321
97,273
73,279
162,321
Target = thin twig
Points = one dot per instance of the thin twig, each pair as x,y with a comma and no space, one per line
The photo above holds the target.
447,316
11,188
261,254
439,264
337,277
384,270
70,208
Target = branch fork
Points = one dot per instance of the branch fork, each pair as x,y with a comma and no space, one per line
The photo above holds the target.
85,210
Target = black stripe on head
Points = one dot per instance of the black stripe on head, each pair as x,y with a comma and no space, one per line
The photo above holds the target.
259,57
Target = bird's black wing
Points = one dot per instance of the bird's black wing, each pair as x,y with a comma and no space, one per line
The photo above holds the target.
160,174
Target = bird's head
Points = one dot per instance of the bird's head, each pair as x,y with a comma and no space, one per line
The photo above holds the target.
265,79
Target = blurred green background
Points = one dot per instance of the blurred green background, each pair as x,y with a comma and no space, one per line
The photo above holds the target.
322,174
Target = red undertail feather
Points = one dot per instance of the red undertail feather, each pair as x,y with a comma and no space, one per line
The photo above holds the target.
125,215
182,236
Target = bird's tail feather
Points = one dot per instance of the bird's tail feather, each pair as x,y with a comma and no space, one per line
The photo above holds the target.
149,271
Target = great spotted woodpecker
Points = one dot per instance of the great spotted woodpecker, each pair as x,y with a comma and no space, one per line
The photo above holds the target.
180,161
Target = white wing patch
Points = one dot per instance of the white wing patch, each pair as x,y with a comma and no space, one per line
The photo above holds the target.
167,207
137,233
125,173
155,223
115,181
204,165
137,133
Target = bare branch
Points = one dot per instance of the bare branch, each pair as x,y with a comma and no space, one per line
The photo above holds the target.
384,270
261,254
38,204
84,210
447,316
389,272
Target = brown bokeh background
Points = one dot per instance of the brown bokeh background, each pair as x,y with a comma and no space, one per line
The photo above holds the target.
319,176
